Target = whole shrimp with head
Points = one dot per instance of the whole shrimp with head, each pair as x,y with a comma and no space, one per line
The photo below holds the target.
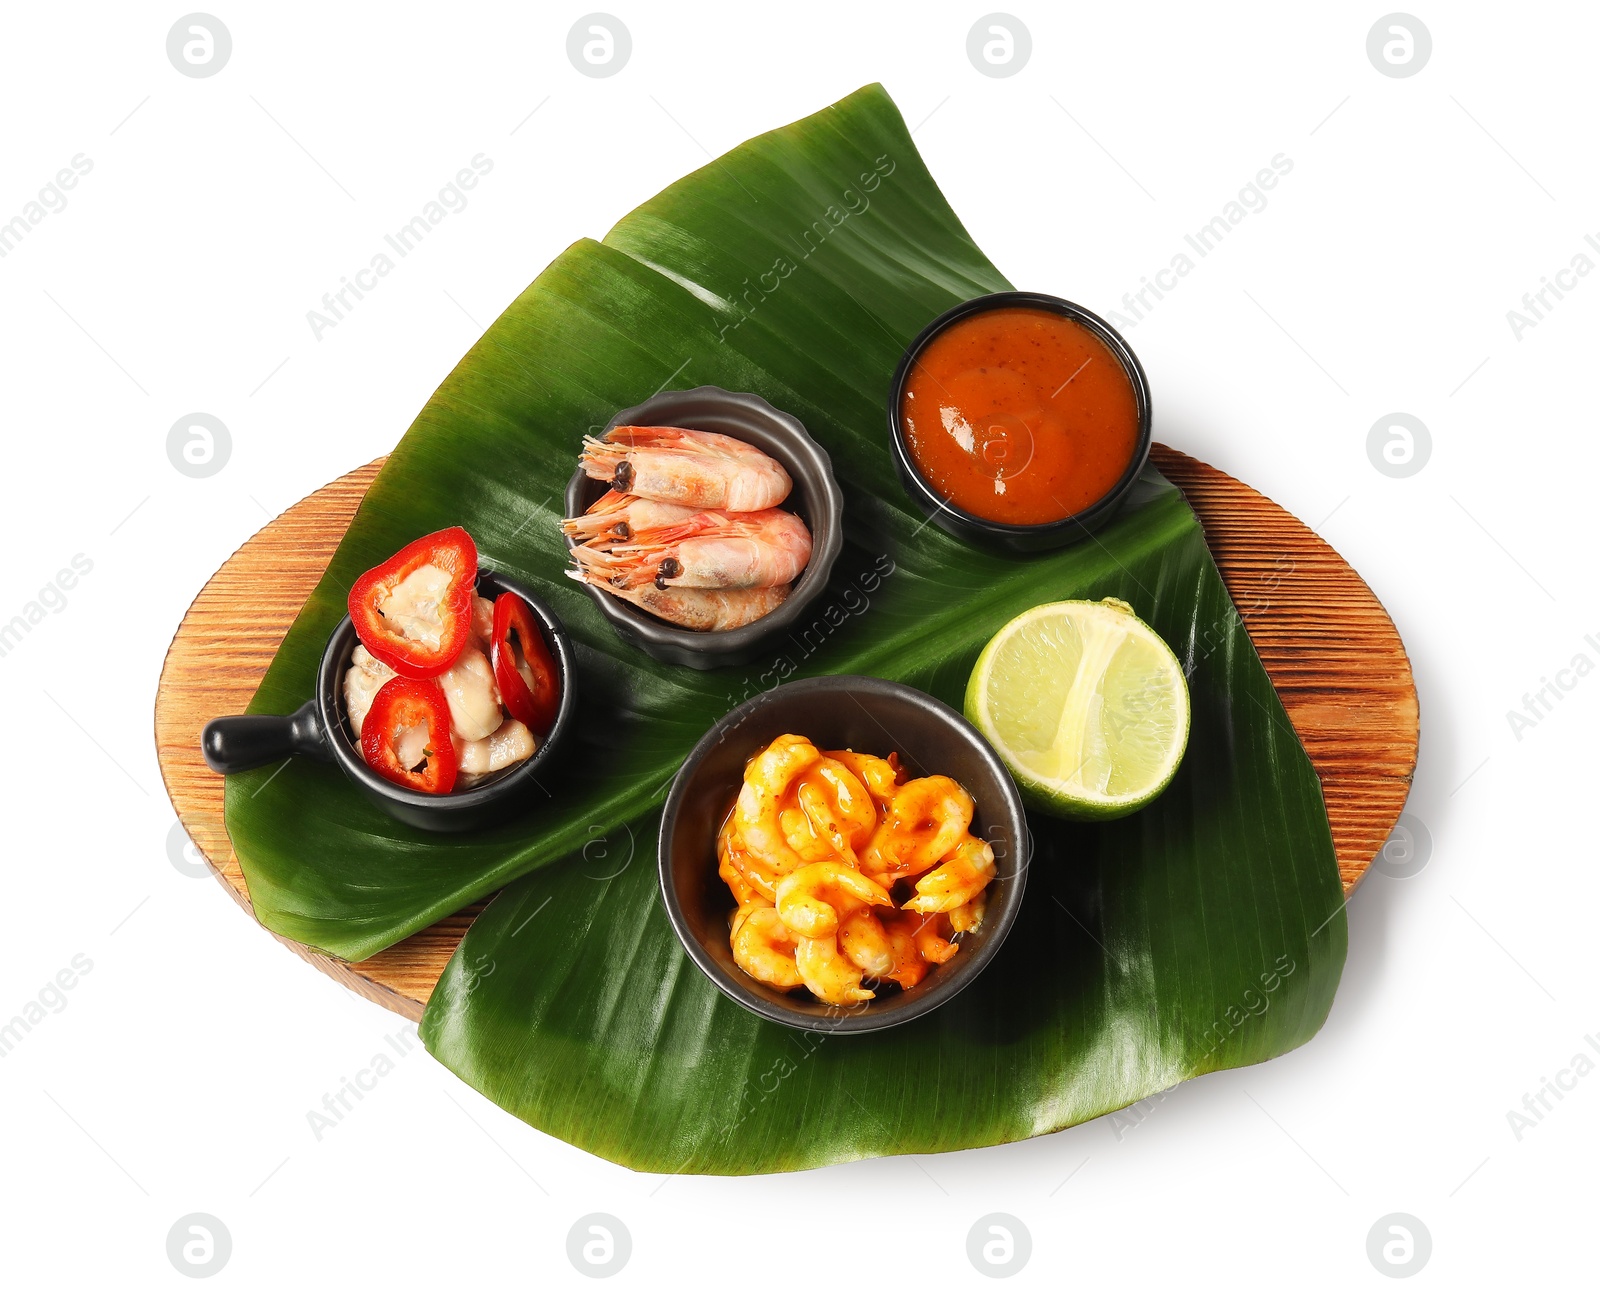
693,468
691,529
850,878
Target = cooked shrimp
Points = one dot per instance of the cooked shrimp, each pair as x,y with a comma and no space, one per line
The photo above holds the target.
743,874
615,516
866,943
803,838
837,802
693,468
764,947
700,609
474,699
969,915
362,681
831,976
909,967
925,821
812,898
835,814
958,879
879,775
508,743
932,939
766,781
713,549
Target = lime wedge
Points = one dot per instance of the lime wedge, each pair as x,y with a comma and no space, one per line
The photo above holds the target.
1085,704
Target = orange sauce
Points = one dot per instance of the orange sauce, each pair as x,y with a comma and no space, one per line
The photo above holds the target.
1020,415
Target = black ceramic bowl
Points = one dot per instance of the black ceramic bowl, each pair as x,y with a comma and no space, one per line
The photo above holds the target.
863,713
320,729
815,498
1017,538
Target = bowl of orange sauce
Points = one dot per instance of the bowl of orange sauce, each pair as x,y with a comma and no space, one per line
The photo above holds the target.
1019,420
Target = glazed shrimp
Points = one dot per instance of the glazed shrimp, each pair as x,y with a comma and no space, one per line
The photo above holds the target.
832,977
880,775
927,818
701,609
866,943
743,874
615,516
812,899
766,781
695,468
932,939
909,967
835,815
711,549
764,947
969,915
958,879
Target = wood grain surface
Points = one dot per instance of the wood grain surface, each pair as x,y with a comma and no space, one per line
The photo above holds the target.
1327,643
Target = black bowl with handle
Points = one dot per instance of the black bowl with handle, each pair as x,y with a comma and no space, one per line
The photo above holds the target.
320,729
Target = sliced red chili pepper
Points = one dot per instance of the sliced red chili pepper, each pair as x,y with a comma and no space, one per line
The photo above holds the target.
531,697
402,705
427,643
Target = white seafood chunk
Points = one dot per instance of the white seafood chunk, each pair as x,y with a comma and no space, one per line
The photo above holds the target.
361,682
474,699
510,743
412,606
482,621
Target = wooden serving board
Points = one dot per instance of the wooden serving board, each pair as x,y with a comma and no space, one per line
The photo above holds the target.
1330,648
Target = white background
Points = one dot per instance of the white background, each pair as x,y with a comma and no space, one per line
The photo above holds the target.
178,1076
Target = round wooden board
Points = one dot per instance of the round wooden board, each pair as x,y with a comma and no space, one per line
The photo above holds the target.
1330,648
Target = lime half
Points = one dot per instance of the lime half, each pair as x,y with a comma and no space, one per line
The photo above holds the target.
1085,704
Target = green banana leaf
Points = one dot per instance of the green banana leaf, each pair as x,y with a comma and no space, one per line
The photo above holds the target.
1205,932
1200,934
797,267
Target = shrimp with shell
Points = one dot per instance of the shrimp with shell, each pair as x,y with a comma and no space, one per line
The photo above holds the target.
709,549
693,468
620,517
705,610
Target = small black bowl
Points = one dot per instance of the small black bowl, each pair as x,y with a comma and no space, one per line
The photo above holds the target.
320,728
815,498
1017,538
873,716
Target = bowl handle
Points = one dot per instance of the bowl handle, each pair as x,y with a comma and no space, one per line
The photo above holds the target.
238,743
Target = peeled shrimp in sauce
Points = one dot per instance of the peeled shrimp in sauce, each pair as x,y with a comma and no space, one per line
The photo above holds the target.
927,818
813,898
764,947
